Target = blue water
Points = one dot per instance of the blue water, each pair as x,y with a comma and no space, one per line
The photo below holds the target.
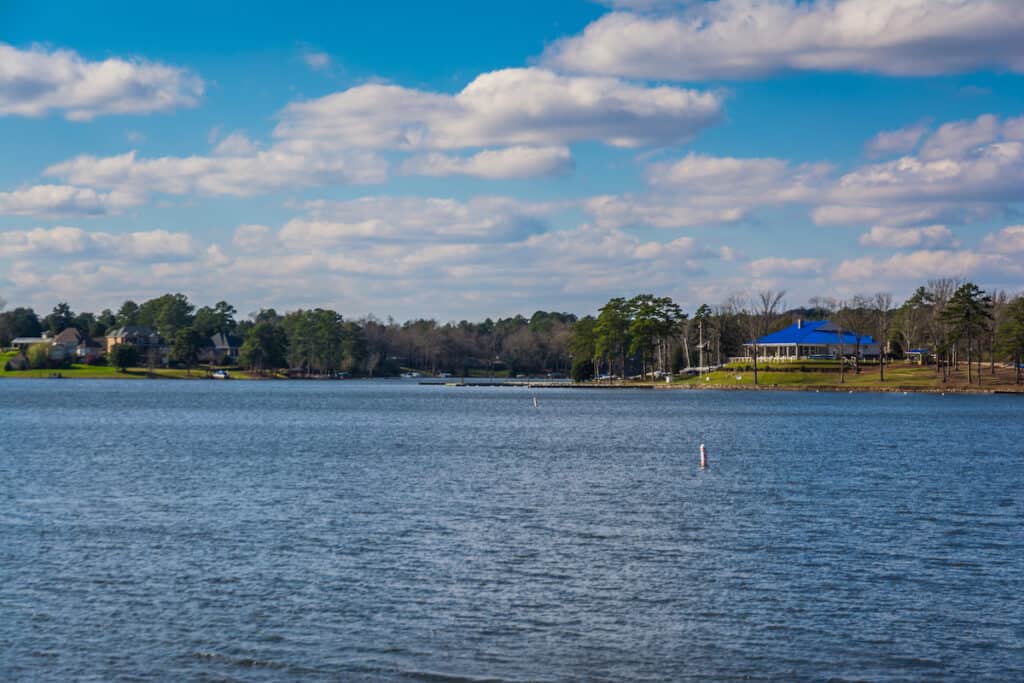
388,531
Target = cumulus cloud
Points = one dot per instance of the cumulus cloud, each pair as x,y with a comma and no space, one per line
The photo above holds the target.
746,38
918,266
406,219
903,238
284,165
1009,240
964,170
37,81
530,114
899,141
774,266
64,241
532,107
510,162
64,200
700,189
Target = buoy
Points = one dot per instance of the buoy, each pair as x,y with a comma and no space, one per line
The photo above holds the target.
535,405
703,458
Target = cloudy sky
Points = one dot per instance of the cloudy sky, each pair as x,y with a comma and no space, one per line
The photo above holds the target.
464,159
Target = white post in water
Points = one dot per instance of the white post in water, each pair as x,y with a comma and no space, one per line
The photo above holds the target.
703,458
535,402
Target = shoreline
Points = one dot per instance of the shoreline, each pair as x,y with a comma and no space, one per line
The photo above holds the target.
1002,389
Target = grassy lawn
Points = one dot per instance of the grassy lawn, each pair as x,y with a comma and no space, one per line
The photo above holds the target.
897,376
79,371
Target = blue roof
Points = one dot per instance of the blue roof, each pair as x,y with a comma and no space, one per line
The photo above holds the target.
814,332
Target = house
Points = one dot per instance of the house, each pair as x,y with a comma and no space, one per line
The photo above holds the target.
58,352
68,339
89,350
22,343
145,340
809,339
225,348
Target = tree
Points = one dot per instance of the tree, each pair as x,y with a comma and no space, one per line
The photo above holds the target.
218,319
38,355
583,349
123,356
185,349
1011,335
967,314
882,304
167,313
18,322
764,308
60,319
128,314
612,333
265,348
910,319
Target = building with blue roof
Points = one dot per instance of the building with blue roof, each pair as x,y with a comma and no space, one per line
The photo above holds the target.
809,339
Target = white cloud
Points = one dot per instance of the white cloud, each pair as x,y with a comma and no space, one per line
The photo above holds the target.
317,61
64,241
408,219
788,267
283,165
532,107
954,140
36,81
64,200
531,113
701,190
746,38
1009,240
236,144
510,162
902,238
900,141
251,237
919,266
965,170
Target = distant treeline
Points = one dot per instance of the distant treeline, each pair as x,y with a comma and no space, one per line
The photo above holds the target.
952,320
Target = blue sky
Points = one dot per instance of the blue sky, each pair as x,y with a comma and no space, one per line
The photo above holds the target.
475,159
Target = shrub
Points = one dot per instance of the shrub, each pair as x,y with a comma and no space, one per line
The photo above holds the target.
39,356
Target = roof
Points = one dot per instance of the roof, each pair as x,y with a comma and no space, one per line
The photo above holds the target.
71,335
226,341
814,333
132,331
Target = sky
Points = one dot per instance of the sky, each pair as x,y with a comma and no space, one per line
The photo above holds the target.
460,160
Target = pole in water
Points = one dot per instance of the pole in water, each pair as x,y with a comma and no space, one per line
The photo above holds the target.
535,405
703,458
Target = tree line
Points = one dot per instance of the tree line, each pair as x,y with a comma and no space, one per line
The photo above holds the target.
319,342
954,322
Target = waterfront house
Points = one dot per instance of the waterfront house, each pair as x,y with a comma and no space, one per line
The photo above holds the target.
812,339
22,343
69,340
221,349
148,344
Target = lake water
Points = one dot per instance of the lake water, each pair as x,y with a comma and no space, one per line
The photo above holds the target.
389,531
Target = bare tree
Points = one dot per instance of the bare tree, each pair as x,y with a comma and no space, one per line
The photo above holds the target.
882,304
764,309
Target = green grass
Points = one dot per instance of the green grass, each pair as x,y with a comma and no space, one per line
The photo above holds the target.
80,371
897,376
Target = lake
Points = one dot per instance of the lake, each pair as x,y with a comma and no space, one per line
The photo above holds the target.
259,531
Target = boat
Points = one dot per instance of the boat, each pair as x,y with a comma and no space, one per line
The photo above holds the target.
220,374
